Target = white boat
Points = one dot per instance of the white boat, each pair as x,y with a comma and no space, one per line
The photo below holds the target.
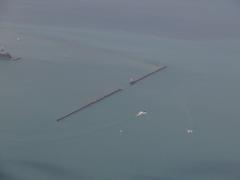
189,131
141,113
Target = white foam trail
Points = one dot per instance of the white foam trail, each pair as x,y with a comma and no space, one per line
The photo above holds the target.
187,111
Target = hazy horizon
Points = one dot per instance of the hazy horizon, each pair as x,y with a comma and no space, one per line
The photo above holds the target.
188,19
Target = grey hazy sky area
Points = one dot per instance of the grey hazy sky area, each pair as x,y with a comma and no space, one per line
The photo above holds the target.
180,18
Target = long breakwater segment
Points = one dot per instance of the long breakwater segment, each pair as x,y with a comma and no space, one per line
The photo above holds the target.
90,103
134,81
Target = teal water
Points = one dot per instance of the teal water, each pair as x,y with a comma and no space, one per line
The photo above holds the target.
63,68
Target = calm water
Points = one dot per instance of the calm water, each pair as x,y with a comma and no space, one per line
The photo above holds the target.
65,65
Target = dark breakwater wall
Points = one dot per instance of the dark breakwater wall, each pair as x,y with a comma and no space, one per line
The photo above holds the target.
90,103
147,75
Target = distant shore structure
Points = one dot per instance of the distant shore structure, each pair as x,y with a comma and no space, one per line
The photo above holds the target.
4,55
134,81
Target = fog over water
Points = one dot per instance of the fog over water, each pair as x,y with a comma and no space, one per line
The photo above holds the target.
184,18
74,51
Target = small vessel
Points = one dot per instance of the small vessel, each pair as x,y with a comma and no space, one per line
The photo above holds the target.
189,131
131,80
141,113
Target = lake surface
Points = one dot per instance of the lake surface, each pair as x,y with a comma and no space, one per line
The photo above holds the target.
71,56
